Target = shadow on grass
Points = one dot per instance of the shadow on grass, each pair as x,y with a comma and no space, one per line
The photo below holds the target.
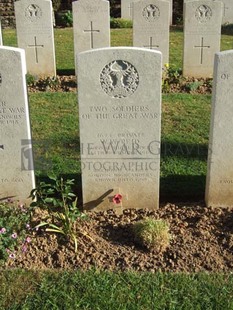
184,150
66,71
227,29
178,158
174,188
176,28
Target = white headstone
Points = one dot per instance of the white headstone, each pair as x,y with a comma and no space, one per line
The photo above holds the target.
120,119
16,173
171,11
34,25
227,11
127,9
151,26
202,35
227,17
1,33
219,182
91,24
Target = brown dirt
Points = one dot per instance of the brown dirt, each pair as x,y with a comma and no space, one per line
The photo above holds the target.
68,83
202,240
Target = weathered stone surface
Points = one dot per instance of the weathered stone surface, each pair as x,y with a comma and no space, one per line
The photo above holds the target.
91,24
227,11
151,21
0,32
202,35
120,119
227,17
34,24
219,182
127,9
16,173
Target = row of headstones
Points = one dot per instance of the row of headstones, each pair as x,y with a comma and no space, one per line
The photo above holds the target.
202,31
120,122
227,17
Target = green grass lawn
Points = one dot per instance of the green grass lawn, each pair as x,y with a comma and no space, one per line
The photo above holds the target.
114,291
185,131
119,37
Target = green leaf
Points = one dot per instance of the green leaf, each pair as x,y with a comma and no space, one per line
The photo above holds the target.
49,200
54,226
55,230
52,177
70,182
41,224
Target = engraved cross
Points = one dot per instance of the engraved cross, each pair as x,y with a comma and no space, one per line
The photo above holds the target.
151,46
130,9
92,34
36,48
202,46
225,8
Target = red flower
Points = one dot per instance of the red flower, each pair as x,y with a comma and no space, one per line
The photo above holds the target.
117,199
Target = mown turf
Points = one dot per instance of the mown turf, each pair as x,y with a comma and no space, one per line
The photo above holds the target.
115,291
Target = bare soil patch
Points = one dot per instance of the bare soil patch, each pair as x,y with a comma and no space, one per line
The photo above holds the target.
202,240
68,83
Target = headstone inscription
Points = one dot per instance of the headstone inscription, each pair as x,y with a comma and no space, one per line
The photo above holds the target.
219,181
120,119
202,34
91,24
16,173
34,25
0,33
151,26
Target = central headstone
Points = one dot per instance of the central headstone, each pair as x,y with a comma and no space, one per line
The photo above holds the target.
120,119
34,25
219,183
202,35
16,172
151,26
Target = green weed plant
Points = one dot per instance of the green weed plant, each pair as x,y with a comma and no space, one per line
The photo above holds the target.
58,199
67,19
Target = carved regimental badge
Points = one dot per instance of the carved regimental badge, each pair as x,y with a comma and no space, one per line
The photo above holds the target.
151,12
203,13
119,79
33,12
